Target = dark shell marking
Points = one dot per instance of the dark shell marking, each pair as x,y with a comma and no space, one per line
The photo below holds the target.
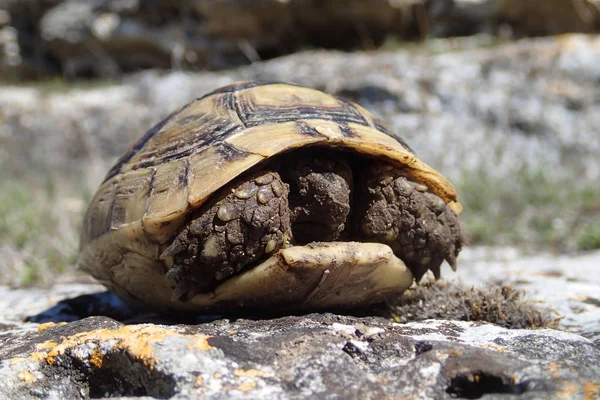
209,129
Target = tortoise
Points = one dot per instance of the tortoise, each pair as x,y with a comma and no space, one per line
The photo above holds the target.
268,196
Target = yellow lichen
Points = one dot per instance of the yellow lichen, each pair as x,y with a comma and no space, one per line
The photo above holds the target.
135,340
250,373
244,387
554,368
591,391
16,360
567,391
26,377
494,346
96,358
38,356
47,325
46,345
200,343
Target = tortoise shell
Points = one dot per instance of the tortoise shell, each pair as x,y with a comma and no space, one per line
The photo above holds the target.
179,163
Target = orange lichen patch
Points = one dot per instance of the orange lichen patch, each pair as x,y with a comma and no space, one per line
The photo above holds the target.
135,340
568,390
218,375
591,391
494,346
199,380
46,345
26,377
47,325
564,89
250,372
455,353
200,343
554,368
244,387
96,358
17,360
382,380
569,41
38,356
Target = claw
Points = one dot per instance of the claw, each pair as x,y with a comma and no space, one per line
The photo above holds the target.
184,289
174,248
192,292
174,272
180,292
434,266
417,270
451,259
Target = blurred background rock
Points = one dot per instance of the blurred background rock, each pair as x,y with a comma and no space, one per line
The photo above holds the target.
72,38
487,91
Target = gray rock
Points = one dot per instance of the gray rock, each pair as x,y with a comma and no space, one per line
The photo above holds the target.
568,284
313,356
22,53
102,38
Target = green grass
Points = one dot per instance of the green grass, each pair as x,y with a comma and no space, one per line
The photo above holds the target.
440,46
39,231
530,209
590,239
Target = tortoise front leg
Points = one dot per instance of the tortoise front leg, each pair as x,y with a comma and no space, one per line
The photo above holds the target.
244,222
418,225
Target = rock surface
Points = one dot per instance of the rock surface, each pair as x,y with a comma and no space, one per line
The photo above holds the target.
568,284
314,356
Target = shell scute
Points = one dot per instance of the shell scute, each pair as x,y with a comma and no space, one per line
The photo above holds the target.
168,198
131,197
